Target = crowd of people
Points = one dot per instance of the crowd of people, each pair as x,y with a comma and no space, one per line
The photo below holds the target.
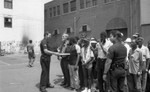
107,65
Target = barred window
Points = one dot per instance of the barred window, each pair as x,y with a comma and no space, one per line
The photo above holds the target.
58,10
82,4
8,4
65,7
54,11
88,3
50,12
45,14
73,5
8,22
94,2
84,28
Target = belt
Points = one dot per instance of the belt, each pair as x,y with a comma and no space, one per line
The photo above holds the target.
102,58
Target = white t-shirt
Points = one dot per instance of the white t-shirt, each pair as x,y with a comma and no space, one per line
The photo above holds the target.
78,49
145,53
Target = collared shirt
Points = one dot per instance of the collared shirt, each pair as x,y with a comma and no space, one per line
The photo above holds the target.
86,54
135,57
106,46
145,53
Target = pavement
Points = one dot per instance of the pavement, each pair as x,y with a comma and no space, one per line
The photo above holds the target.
15,76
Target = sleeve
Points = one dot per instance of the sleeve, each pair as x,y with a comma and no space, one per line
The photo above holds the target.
147,53
92,54
78,48
110,54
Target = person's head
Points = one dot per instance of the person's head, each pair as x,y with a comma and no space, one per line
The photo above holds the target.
85,43
148,45
64,36
115,35
103,36
30,41
140,41
133,45
93,42
47,35
83,35
72,41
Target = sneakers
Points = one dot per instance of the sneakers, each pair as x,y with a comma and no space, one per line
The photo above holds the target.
85,90
89,90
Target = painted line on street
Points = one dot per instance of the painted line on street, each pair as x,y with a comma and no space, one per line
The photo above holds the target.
4,63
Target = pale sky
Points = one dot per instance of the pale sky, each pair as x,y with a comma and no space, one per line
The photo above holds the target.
45,1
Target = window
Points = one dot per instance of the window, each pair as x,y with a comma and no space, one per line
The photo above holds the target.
94,2
45,14
8,4
69,30
54,11
8,22
58,10
50,12
88,3
106,1
82,4
84,28
66,7
73,5
55,32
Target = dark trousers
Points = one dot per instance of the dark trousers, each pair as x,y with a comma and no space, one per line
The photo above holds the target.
117,79
45,65
100,69
94,71
65,71
81,74
87,75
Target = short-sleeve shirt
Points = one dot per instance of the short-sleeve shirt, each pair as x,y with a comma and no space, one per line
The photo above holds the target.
145,53
86,54
106,46
44,45
135,58
30,48
117,53
74,51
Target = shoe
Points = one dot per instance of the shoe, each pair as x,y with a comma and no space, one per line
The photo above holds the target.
85,90
43,89
89,90
50,86
71,88
62,84
66,86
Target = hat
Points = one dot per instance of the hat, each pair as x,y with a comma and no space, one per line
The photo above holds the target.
128,40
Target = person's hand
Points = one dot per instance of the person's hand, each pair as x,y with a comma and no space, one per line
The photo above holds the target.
104,77
139,73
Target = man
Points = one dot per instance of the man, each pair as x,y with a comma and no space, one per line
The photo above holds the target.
31,54
135,68
45,63
102,47
115,62
64,61
145,58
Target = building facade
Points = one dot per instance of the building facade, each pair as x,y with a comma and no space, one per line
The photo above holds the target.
20,21
93,16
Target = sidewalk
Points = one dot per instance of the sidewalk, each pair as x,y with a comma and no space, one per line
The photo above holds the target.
15,76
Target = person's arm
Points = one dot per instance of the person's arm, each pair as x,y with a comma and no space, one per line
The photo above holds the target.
148,58
78,49
107,65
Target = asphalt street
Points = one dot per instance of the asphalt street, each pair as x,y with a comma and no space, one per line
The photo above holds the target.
15,76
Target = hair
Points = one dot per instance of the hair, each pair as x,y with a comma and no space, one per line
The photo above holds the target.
30,41
103,34
116,34
72,40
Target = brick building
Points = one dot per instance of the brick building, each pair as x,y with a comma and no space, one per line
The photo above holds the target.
94,16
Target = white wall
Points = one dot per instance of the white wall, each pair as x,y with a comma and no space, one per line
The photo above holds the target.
27,17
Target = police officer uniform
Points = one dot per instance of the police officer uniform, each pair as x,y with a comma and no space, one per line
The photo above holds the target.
45,65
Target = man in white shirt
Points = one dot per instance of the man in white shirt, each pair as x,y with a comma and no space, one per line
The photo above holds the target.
145,60
102,47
